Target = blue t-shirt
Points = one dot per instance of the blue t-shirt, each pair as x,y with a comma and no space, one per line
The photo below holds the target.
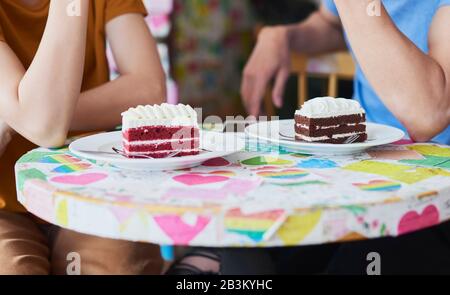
413,18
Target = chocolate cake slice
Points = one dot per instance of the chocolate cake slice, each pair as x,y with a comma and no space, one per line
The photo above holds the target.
330,120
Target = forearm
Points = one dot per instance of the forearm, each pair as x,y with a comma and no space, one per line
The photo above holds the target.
101,107
49,89
316,35
410,82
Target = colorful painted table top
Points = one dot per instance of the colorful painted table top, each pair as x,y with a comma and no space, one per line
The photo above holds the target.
263,197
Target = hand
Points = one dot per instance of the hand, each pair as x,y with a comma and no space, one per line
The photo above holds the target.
5,136
270,58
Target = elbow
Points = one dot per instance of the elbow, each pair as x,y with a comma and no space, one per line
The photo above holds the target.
47,126
52,140
424,118
425,126
56,140
47,135
419,135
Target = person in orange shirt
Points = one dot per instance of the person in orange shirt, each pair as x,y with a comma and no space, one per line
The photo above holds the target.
54,79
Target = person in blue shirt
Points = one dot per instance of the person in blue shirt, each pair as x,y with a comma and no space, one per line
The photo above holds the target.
402,52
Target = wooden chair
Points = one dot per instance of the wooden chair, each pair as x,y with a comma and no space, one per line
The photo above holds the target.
333,67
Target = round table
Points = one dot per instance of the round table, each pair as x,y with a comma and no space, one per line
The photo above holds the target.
263,197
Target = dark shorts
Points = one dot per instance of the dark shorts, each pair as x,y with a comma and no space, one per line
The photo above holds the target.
422,252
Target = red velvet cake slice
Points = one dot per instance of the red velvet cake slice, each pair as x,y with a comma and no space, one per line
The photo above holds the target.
160,130
330,120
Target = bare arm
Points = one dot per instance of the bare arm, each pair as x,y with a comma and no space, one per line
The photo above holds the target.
31,101
417,92
141,80
320,33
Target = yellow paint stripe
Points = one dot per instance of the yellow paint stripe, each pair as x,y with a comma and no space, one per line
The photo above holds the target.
248,223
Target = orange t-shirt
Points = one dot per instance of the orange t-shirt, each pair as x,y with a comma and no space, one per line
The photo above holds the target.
22,27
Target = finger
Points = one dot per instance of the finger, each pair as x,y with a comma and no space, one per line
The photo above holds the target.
279,87
246,85
258,89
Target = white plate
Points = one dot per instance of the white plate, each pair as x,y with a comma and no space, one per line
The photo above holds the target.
270,131
217,144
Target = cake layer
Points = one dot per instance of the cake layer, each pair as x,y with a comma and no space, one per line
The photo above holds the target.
151,146
317,131
160,133
336,139
162,154
330,121
157,141
175,122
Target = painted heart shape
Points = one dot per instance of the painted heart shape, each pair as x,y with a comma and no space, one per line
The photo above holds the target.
178,231
317,164
413,221
82,179
266,160
379,185
198,179
217,162
283,174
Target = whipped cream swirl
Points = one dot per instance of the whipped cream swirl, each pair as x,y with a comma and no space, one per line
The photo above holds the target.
164,111
323,107
165,114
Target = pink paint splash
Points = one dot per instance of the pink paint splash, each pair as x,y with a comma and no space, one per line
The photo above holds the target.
178,231
197,179
82,179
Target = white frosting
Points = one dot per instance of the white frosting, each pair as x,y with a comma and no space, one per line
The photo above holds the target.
160,115
319,127
324,107
335,136
311,139
158,141
160,152
329,127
